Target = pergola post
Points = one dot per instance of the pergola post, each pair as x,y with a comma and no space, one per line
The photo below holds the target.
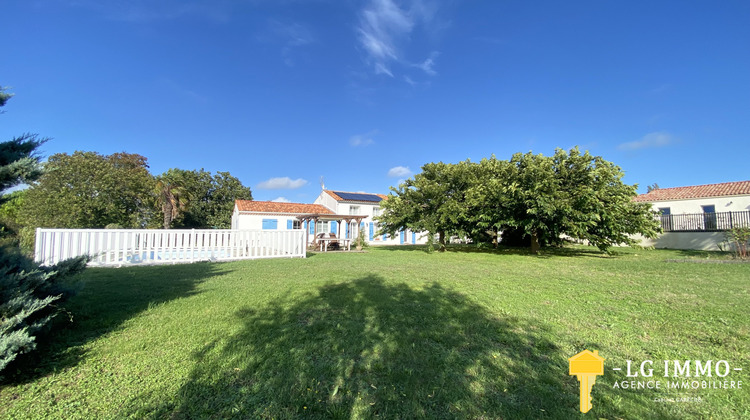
315,231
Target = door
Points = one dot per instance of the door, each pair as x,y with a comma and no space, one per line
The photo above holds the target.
709,217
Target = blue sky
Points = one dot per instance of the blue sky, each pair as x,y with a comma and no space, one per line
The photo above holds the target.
362,93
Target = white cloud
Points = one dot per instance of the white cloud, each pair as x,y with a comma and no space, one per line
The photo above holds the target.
383,25
428,65
281,200
399,172
650,140
362,139
282,183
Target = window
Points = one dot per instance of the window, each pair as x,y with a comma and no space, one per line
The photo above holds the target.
665,211
322,227
270,224
353,209
293,224
376,211
709,217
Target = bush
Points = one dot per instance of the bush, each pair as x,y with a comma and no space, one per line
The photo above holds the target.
430,242
29,299
361,242
738,239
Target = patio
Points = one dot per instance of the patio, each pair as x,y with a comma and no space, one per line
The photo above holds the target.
325,240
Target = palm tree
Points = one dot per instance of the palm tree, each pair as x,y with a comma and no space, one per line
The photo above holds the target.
173,194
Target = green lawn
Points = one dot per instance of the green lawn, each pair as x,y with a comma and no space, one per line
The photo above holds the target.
391,333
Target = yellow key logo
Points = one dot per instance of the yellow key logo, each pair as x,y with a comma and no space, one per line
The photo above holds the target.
586,366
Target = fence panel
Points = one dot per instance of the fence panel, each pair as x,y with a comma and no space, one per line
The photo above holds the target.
151,246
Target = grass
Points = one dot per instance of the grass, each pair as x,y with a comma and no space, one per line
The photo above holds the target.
391,333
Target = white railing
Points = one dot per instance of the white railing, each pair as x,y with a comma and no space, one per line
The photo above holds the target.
151,246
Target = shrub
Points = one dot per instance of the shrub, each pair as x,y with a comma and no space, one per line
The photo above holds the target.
361,242
29,299
738,239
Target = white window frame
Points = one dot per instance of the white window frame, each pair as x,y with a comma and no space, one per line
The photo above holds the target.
323,227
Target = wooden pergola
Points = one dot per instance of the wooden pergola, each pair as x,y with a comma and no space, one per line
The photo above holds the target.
351,222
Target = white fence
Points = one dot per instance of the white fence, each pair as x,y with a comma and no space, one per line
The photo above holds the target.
151,246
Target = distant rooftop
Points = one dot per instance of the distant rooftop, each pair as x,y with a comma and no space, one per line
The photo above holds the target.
274,207
697,191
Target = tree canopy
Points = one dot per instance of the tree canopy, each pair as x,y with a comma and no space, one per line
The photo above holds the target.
569,194
89,190
199,199
432,201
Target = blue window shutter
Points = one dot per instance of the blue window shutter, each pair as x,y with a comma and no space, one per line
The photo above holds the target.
413,238
311,224
372,230
333,227
270,224
401,236
290,224
384,236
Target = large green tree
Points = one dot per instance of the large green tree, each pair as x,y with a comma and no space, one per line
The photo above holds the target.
576,195
546,198
225,189
488,204
198,199
89,190
29,294
599,206
433,201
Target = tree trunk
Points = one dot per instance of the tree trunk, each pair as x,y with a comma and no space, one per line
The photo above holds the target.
166,208
535,242
442,240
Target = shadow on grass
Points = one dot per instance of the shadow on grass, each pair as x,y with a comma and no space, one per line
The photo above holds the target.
715,255
109,297
366,349
547,252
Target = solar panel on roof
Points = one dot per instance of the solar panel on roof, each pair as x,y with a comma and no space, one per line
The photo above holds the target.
358,197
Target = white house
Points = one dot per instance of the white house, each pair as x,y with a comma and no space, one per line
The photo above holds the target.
338,212
269,215
696,217
711,198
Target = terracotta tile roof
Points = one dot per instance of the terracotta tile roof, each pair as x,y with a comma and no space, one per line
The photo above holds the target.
337,198
697,191
273,207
